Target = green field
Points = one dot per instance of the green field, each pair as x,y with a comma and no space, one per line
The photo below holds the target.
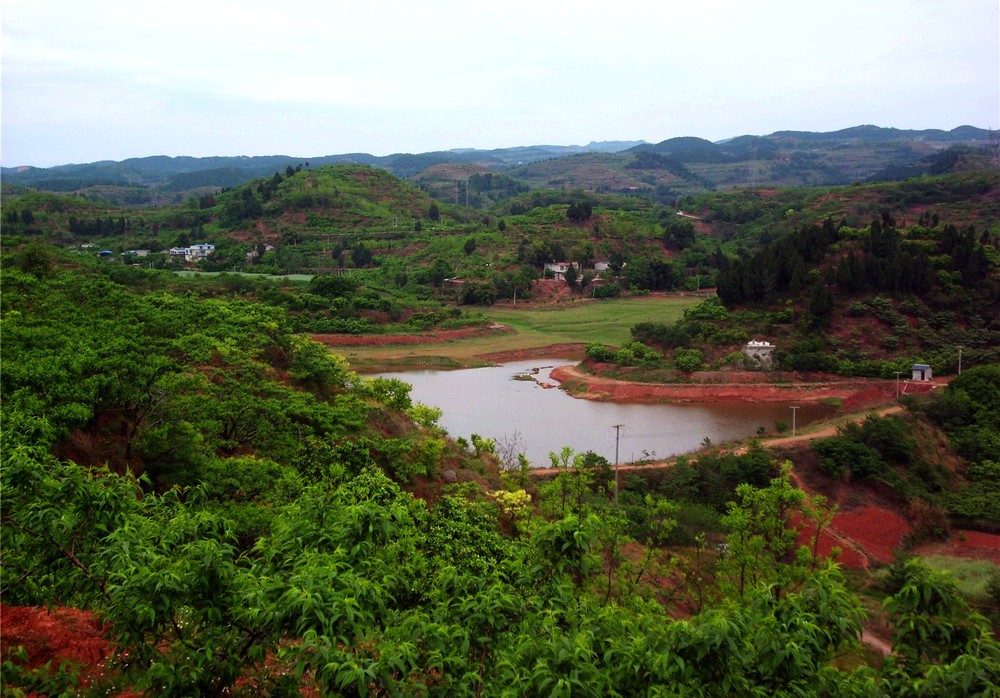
188,273
607,322
972,576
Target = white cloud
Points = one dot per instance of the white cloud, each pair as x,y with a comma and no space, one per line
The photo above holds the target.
390,75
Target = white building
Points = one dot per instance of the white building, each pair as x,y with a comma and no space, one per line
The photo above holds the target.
759,352
194,253
558,269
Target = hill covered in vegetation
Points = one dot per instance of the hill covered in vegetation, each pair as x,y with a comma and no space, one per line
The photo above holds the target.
231,510
822,264
662,171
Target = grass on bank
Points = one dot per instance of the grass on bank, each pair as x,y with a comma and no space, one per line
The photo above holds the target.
608,322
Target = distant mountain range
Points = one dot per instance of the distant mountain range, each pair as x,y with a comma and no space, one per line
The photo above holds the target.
673,166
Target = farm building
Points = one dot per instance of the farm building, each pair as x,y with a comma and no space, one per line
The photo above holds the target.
922,372
759,353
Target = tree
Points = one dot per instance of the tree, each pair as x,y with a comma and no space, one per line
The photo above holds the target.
821,305
35,259
440,271
688,360
763,548
361,255
469,247
940,646
579,211
333,285
572,276
433,212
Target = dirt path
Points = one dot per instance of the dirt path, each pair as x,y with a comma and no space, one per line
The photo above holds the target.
876,643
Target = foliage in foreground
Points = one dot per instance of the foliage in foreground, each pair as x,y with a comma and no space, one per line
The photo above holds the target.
269,529
362,589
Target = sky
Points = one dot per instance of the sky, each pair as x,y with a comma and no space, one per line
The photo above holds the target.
84,81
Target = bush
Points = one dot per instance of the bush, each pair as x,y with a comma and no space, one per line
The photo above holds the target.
600,353
839,456
661,334
638,354
889,436
688,360
708,309
607,291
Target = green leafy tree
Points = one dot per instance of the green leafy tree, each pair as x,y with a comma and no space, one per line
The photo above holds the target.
940,646
572,276
763,549
688,360
333,285
440,270
189,617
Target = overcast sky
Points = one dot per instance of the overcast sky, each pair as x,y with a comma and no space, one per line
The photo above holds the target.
88,80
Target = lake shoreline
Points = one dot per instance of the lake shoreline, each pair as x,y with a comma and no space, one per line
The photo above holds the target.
850,394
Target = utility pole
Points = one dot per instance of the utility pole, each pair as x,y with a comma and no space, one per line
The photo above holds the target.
959,359
897,383
793,407
618,430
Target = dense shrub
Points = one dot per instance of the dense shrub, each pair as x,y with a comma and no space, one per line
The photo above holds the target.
839,456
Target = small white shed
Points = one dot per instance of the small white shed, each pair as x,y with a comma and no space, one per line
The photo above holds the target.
759,352
922,372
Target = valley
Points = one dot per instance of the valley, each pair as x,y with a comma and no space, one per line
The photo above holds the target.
217,484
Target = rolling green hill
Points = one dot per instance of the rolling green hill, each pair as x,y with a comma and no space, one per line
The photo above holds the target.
682,165
401,244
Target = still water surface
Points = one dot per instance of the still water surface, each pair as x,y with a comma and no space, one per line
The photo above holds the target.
492,403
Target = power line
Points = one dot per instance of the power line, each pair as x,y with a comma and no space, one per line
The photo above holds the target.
618,431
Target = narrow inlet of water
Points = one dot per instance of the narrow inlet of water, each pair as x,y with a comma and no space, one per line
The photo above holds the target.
521,415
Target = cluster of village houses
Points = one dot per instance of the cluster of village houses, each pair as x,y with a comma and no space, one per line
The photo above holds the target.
192,253
557,270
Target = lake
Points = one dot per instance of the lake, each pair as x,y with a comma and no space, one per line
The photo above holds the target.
528,418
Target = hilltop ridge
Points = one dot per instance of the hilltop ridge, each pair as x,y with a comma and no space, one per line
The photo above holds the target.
677,165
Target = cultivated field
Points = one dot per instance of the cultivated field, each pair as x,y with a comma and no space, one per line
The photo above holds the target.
526,329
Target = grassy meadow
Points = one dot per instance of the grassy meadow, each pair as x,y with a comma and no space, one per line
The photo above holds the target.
607,322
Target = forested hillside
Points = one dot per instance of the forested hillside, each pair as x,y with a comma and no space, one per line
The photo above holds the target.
244,515
658,171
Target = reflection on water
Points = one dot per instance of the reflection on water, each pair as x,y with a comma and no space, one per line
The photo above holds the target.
536,420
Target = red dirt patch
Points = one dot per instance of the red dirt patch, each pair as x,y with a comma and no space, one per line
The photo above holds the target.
876,531
568,351
57,636
970,544
864,535
830,539
336,340
859,393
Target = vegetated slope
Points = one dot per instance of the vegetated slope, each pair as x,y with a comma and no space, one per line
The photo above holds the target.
683,166
475,186
269,545
905,479
361,218
876,292
687,165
